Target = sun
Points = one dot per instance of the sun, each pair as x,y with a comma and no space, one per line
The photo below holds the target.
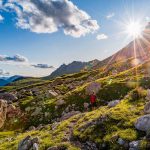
134,29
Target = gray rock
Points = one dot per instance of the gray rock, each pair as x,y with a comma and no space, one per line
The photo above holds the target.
8,97
93,87
86,105
113,103
148,95
53,93
60,102
147,108
134,144
37,111
31,128
143,123
68,115
121,141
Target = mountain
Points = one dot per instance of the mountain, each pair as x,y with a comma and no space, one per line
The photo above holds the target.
74,67
56,114
7,80
139,48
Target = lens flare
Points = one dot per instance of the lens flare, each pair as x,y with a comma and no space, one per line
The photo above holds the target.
134,29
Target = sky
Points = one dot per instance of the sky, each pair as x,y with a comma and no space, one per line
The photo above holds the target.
37,36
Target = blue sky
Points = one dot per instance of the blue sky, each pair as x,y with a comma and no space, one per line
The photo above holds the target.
56,48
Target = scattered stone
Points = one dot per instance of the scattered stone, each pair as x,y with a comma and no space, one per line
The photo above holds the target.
113,103
28,143
86,106
53,93
57,148
93,87
134,144
121,141
27,109
40,127
68,115
147,108
37,111
148,95
8,97
3,112
60,102
143,123
31,128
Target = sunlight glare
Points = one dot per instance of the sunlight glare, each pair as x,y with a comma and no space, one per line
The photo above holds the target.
134,29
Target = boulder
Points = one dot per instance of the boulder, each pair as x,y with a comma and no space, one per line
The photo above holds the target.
12,111
28,143
148,95
113,103
57,148
121,141
68,115
134,144
86,105
8,97
93,87
37,111
60,102
147,108
53,93
3,112
143,123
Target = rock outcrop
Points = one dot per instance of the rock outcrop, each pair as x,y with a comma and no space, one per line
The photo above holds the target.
3,112
8,97
29,143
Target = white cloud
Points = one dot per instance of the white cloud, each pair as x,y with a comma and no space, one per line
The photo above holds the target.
109,16
102,37
43,66
16,58
3,73
1,18
147,19
48,16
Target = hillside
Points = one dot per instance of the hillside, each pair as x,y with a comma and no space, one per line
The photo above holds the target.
56,114
74,67
140,48
54,111
7,80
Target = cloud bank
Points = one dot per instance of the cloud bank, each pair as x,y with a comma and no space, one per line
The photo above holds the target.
43,66
4,73
102,37
21,59
48,16
16,58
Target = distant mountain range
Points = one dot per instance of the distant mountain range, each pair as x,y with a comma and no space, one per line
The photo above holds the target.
7,80
74,67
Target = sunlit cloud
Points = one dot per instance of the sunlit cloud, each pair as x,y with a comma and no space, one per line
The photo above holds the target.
102,37
111,15
16,58
50,16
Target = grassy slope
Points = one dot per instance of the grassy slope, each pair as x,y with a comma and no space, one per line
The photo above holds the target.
120,119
